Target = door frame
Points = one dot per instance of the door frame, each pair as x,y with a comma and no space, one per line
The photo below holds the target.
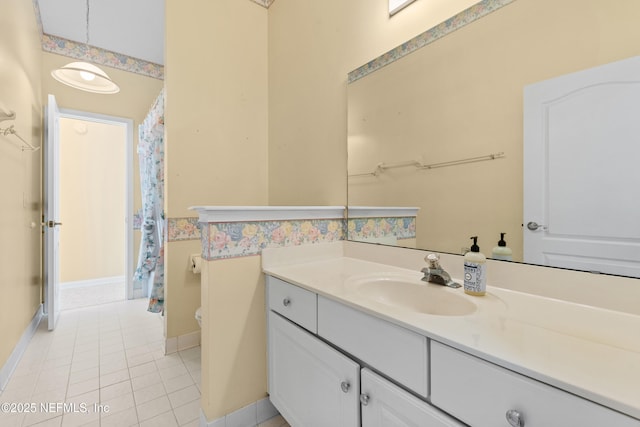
128,124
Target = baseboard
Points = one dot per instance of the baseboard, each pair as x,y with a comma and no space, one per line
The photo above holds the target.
139,293
11,363
92,282
182,342
249,416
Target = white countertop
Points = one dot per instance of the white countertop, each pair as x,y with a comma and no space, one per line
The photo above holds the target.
589,351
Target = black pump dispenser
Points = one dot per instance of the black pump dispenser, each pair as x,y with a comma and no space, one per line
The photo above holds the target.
475,247
502,242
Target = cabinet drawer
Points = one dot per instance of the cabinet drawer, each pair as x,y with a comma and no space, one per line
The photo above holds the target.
480,393
392,350
293,302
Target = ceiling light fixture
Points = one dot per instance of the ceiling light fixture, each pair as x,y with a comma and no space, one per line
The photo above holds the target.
85,76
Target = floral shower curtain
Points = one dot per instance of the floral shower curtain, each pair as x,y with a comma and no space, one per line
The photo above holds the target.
149,275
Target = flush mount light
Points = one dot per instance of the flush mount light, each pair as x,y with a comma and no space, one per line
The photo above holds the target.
85,76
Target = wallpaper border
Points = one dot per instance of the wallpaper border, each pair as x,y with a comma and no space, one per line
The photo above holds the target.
452,24
81,51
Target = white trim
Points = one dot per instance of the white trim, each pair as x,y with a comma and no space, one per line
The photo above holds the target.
92,282
138,293
182,342
380,211
249,416
128,124
13,360
266,213
396,6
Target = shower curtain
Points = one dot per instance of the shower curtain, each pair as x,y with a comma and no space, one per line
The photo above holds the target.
149,274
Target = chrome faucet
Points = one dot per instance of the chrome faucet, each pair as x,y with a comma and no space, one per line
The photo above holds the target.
434,273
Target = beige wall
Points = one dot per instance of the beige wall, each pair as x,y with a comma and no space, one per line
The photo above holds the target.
312,47
472,106
216,108
234,367
216,150
92,200
20,176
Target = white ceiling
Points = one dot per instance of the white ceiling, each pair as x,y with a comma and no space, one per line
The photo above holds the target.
130,27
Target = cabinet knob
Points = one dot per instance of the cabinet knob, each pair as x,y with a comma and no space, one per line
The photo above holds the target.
364,399
515,418
286,302
345,386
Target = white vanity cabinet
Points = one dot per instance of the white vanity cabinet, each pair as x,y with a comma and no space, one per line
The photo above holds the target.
482,394
310,383
333,365
315,382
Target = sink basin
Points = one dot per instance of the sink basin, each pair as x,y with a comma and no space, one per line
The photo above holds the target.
413,295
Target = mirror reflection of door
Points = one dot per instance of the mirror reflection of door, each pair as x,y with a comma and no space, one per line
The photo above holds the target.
582,145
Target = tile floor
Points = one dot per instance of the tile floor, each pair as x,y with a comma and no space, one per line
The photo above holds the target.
72,297
109,355
106,356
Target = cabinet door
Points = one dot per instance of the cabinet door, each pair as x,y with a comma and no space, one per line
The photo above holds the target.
387,405
310,383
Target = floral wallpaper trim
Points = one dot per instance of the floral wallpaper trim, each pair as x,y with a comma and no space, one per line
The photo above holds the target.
238,239
452,24
366,228
183,229
72,49
265,3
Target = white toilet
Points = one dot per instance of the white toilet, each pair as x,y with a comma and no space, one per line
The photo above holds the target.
199,316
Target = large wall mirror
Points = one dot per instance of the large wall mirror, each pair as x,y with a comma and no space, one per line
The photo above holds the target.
457,103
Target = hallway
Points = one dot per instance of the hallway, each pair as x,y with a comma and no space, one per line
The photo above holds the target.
73,297
107,360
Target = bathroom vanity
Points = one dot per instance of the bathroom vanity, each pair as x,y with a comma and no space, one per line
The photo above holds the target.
354,342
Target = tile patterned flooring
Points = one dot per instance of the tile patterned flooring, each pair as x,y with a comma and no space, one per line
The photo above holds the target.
106,356
72,297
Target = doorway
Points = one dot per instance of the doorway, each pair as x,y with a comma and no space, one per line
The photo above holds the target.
96,179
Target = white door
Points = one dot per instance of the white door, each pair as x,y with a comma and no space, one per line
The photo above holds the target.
387,405
51,222
581,174
310,383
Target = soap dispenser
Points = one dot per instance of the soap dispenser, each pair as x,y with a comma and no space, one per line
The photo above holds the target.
475,277
502,251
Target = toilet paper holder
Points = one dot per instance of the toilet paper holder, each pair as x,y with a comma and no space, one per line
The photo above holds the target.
195,263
